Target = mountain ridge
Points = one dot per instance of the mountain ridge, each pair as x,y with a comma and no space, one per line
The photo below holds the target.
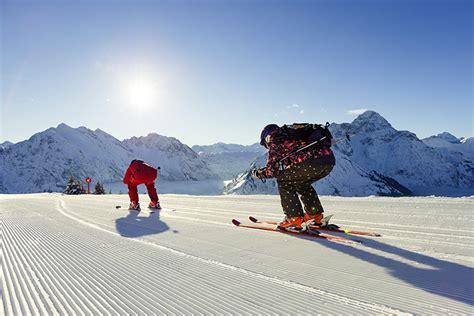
47,159
379,160
383,159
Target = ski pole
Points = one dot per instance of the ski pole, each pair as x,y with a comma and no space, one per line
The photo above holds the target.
282,167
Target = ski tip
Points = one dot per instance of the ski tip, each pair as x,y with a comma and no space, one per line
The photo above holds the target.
235,222
253,219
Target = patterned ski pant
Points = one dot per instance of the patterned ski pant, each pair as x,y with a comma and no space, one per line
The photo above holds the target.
296,183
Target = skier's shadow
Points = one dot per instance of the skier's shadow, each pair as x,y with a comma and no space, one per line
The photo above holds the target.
444,278
137,224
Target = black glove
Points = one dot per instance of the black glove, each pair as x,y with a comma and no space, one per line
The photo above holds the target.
257,173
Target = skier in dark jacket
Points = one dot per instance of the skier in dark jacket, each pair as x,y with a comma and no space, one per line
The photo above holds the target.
138,173
295,174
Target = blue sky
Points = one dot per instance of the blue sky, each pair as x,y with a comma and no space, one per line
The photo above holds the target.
210,71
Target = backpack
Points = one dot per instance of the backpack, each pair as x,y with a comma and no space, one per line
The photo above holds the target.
309,133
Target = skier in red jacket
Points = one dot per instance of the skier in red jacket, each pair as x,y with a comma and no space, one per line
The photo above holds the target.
137,173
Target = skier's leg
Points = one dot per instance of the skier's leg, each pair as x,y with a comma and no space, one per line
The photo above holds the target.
133,193
308,194
289,199
297,180
310,199
152,192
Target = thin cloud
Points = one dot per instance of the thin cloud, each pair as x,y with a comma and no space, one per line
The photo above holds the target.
290,110
356,111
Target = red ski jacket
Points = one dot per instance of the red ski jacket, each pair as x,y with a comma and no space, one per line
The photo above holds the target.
140,172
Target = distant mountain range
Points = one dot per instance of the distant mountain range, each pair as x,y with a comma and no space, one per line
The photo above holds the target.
378,160
229,160
221,148
452,144
48,159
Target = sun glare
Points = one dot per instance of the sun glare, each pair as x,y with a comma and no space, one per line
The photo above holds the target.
142,94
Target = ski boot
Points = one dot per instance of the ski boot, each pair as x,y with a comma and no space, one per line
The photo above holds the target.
291,223
318,220
134,206
315,219
154,205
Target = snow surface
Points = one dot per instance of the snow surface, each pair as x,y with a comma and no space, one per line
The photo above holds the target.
79,254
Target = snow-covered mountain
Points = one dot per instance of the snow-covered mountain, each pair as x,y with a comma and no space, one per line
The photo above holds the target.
402,156
220,148
229,160
47,159
177,161
380,160
346,179
5,145
448,142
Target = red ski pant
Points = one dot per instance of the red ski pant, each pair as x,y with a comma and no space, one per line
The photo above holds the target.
133,192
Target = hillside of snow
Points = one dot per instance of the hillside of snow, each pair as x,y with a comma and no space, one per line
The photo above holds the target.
44,162
178,161
450,143
229,160
405,158
379,160
80,255
48,159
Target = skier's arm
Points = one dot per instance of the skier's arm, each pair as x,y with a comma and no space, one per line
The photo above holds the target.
128,174
272,169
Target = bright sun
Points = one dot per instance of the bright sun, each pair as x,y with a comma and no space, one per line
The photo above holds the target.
142,94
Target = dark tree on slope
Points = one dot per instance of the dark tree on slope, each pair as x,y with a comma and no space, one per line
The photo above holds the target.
99,188
74,187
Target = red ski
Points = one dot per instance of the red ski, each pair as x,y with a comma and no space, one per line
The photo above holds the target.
315,234
332,228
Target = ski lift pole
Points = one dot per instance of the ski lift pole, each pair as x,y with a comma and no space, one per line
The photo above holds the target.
88,180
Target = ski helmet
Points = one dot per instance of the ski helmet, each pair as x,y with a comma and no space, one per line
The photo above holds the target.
267,130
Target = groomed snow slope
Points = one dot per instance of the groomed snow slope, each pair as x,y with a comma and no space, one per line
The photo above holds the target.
78,254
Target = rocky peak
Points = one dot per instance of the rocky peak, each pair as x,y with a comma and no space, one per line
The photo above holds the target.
448,137
370,121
